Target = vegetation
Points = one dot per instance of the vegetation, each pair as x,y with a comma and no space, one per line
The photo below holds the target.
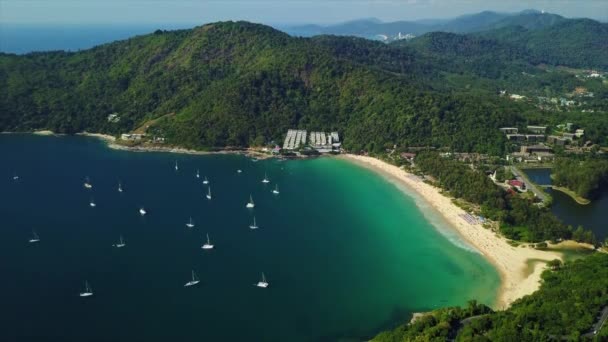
586,177
519,218
566,307
240,84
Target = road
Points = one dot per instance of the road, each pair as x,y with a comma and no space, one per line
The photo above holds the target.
599,324
529,185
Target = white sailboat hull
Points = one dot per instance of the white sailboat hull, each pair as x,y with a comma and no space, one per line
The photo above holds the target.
119,245
93,205
86,294
207,246
189,225
253,227
191,283
262,284
275,192
208,196
88,186
142,212
34,240
250,205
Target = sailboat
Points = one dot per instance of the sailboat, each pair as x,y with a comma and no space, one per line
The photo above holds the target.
87,183
87,290
250,204
239,171
198,175
254,225
119,187
92,203
190,223
276,189
194,280
265,180
121,243
15,176
209,193
35,238
206,181
262,283
142,211
208,245
176,167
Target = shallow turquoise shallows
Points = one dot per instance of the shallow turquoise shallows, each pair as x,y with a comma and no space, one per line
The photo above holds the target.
345,252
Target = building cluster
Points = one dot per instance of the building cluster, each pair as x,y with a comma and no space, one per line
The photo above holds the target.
536,146
320,141
132,136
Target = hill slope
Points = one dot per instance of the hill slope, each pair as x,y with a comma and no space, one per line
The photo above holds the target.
242,84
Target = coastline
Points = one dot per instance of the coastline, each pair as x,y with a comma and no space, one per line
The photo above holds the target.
571,194
512,263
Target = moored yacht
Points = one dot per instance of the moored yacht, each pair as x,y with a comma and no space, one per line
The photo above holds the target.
209,193
262,283
142,211
254,224
87,290
207,245
194,280
250,204
276,189
121,243
206,181
87,183
35,237
265,180
190,223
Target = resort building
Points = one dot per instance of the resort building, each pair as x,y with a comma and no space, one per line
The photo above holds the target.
131,137
319,141
537,129
516,137
509,130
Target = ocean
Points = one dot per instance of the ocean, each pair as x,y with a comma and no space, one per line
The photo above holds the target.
345,252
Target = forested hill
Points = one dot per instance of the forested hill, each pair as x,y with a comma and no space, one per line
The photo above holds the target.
238,84
581,43
243,84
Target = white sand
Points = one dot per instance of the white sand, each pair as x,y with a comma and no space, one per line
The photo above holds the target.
511,262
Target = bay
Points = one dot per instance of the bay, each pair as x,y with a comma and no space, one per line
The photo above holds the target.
345,252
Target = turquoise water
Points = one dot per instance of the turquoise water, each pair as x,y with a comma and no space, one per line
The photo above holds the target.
346,254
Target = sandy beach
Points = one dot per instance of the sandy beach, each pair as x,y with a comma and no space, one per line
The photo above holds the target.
511,262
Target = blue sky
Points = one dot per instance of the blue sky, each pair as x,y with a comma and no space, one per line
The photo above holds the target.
277,12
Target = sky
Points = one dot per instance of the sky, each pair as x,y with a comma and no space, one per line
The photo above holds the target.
272,12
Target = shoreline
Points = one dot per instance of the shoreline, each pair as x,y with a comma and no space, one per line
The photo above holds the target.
512,263
578,199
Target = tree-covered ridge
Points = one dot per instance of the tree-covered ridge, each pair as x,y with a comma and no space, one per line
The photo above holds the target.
239,84
586,177
566,306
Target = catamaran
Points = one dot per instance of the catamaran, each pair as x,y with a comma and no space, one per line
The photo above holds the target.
121,243
206,181
198,175
276,189
253,225
87,183
35,237
194,280
92,203
87,290
190,223
265,180
208,245
119,187
176,167
250,204
209,193
262,283
142,211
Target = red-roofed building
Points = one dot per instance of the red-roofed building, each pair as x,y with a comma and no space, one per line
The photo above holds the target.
519,185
